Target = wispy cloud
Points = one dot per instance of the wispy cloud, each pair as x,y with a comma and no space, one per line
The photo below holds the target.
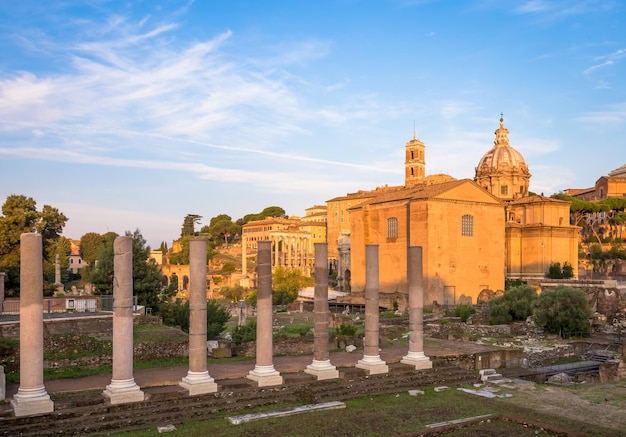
606,61
128,97
558,9
613,115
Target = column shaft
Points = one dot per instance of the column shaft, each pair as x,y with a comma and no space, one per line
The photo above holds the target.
31,397
415,278
123,388
371,358
198,380
321,366
264,372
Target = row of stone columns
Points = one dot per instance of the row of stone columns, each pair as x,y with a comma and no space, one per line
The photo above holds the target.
293,253
32,397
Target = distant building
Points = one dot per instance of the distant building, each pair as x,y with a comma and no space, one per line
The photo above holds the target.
612,185
292,241
74,259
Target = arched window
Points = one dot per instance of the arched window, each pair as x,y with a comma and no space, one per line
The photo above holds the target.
467,225
392,227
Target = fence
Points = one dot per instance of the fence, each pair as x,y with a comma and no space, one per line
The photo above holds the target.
55,307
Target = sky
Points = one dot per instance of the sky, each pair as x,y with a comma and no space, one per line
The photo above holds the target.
130,115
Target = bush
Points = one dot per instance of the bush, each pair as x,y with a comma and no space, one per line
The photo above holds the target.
564,311
176,313
463,311
515,304
347,330
556,272
244,334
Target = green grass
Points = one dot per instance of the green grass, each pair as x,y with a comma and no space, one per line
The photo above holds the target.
70,372
383,415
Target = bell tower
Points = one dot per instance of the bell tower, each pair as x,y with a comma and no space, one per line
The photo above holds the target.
415,161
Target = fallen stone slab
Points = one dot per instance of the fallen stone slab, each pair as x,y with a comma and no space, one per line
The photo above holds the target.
457,421
334,405
485,393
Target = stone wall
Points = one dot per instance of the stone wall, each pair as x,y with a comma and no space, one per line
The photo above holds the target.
99,327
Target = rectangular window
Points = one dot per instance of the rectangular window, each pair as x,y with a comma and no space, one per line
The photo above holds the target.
392,227
467,226
504,190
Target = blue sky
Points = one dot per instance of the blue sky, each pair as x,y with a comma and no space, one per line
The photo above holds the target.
128,114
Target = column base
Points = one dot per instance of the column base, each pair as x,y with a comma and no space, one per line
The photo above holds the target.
322,370
32,402
373,364
418,360
198,383
265,376
123,392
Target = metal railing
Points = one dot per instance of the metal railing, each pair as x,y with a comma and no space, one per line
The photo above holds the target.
63,306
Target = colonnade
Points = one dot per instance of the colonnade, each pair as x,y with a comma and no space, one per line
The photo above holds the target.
290,251
287,250
32,398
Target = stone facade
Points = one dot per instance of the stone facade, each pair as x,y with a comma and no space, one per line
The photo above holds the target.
292,239
460,227
538,234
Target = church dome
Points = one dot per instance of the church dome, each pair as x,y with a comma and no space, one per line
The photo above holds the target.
503,170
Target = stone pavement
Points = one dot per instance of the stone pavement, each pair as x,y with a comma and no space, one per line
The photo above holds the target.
231,369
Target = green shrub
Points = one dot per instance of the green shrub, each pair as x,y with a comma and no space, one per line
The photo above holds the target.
347,330
463,311
176,313
564,311
515,304
244,334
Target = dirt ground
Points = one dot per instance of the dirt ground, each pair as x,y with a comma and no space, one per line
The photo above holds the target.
596,404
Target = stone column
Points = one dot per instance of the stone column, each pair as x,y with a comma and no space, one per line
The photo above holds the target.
123,388
321,367
264,373
276,251
1,292
371,358
57,274
244,262
415,278
198,380
31,397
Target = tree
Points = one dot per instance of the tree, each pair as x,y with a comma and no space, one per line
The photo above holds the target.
286,283
222,226
515,304
555,271
564,311
163,248
189,224
147,274
233,293
228,269
270,211
182,257
63,247
20,215
100,275
176,313
89,245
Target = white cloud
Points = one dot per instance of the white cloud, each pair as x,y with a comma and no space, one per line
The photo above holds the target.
614,115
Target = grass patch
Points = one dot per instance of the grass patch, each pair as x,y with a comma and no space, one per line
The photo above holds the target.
383,415
73,372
